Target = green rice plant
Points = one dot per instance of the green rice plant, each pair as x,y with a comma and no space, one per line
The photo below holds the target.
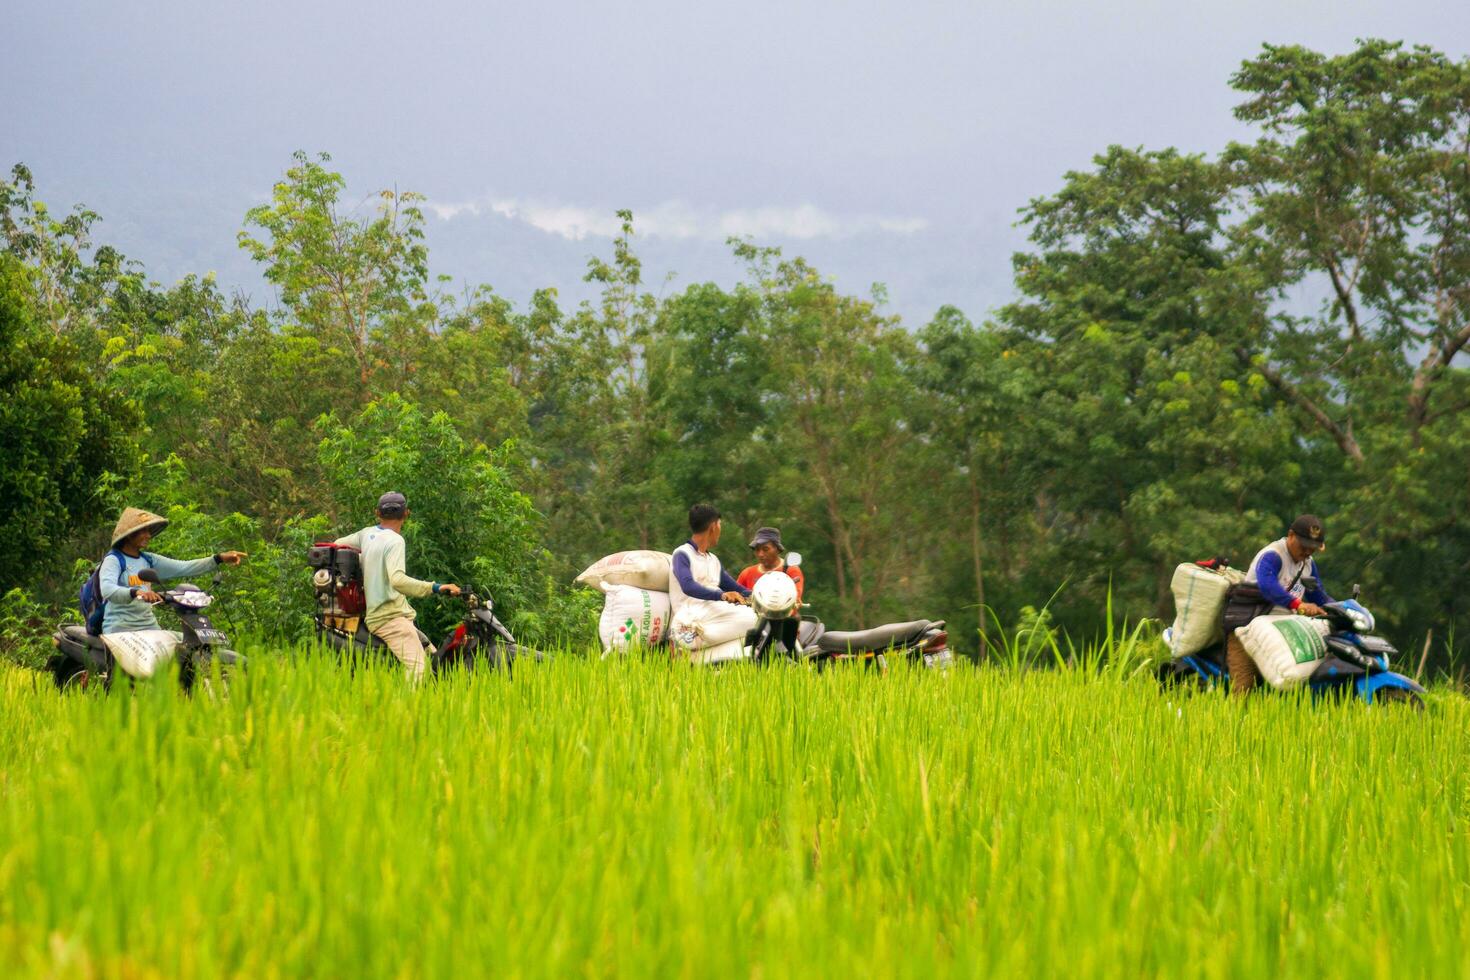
637,817
1030,644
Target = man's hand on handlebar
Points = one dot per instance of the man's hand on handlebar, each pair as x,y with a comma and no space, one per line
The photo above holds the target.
148,595
1310,609
448,588
735,597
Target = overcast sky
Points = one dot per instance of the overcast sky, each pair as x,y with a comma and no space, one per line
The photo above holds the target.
886,142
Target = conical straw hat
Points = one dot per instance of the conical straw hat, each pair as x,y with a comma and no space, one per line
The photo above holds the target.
134,520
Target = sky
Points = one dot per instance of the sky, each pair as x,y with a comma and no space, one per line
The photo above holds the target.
886,143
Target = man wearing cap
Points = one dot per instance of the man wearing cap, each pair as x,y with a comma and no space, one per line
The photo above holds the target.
1279,571
128,600
388,586
770,557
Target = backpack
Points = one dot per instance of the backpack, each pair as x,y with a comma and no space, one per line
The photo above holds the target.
90,600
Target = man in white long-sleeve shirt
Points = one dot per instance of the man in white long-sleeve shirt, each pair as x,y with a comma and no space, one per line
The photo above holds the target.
708,606
388,585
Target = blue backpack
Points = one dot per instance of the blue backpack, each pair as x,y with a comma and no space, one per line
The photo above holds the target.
90,599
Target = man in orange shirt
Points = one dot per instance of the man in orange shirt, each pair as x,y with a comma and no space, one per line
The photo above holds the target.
768,551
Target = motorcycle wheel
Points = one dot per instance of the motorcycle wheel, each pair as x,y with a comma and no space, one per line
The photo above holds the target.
476,654
66,673
1388,697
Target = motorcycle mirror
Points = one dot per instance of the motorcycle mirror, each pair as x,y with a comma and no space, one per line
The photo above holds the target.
793,559
149,575
1357,590
1309,582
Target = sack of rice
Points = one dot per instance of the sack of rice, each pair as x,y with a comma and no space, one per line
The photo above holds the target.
719,653
632,617
701,625
1199,598
1287,649
142,653
641,569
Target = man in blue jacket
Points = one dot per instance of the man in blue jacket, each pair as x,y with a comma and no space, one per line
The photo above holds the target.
1281,570
129,600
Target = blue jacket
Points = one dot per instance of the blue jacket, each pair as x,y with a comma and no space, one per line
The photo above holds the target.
119,585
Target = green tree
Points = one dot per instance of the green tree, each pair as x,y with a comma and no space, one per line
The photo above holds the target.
358,285
62,436
713,385
1358,190
1158,442
847,464
975,390
597,434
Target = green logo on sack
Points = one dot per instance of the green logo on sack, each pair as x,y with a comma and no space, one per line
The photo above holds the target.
1304,642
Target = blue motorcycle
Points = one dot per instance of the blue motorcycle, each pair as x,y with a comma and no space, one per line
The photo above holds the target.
1356,664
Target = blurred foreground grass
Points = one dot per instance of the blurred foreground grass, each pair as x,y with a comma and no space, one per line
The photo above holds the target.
595,818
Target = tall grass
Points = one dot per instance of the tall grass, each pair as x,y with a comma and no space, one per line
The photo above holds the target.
590,817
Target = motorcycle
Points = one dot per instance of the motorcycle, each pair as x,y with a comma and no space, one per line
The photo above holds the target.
82,657
781,632
480,639
1356,665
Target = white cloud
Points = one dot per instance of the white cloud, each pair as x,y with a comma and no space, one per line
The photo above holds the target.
678,220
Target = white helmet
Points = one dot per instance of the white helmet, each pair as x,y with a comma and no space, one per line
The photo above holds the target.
774,595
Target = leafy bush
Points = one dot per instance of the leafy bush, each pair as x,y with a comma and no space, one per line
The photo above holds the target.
24,626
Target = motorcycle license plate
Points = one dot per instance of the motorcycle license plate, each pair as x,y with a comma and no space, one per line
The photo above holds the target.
211,636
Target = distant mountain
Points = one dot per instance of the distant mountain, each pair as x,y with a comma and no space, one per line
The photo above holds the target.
176,232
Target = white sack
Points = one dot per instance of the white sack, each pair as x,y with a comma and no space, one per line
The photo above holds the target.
719,653
1285,648
141,652
633,617
641,569
700,624
1199,599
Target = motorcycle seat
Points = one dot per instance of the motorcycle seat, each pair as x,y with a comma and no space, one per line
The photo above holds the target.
79,635
366,639
877,638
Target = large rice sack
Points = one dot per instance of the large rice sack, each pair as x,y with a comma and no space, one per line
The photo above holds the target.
1199,599
719,653
1287,649
701,625
141,653
641,569
632,617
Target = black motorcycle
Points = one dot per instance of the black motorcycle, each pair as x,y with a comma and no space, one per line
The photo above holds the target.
779,633
83,659
481,639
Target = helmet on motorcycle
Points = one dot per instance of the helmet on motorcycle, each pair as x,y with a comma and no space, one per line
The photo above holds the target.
774,595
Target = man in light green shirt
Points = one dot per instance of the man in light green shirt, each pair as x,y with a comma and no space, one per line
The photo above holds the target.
389,586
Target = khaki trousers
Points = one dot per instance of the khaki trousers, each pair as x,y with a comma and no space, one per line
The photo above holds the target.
1243,672
402,638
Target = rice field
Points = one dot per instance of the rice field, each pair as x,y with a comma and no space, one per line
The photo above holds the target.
591,818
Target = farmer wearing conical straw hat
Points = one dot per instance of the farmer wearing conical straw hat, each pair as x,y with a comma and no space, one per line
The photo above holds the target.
128,598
